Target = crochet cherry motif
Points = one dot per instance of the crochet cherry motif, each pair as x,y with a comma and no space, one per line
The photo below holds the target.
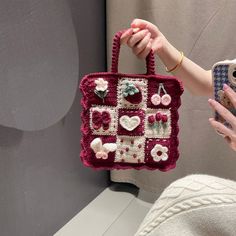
132,93
101,150
101,119
156,99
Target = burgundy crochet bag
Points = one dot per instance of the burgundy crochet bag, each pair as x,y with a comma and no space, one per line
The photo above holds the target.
130,120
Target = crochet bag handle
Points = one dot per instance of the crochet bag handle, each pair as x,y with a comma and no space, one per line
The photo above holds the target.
150,60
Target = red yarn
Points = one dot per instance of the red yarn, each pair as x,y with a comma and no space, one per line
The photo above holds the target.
158,116
103,119
96,120
164,118
106,117
100,119
136,98
151,119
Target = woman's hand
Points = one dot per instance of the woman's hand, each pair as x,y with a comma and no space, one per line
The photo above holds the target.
229,134
143,37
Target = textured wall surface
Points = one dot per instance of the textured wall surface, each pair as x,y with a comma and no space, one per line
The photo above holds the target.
43,183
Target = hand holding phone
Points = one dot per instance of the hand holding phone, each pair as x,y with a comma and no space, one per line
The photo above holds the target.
224,72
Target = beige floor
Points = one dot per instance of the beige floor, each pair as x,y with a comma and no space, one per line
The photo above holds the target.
118,210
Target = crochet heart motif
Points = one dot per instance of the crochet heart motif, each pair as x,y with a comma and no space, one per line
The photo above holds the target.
129,123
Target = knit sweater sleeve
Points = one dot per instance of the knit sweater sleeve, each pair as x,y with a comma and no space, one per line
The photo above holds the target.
194,205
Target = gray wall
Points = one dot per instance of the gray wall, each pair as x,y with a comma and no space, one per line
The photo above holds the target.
43,183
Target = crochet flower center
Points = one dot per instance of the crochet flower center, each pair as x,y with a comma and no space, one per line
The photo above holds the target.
159,153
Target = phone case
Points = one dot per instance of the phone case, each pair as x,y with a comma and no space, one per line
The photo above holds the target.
224,72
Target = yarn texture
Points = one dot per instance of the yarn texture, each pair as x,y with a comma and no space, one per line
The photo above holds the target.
118,109
194,205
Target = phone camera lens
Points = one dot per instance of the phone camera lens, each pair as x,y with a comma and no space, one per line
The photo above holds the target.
234,74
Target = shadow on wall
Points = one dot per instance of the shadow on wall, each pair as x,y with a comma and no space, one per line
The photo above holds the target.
10,137
43,183
38,63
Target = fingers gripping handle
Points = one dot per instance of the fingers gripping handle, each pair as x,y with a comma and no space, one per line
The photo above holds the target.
150,60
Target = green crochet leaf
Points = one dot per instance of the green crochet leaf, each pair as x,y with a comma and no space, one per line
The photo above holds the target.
130,89
101,94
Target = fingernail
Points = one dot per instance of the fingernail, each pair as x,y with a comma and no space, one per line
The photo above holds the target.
135,30
210,100
129,30
225,86
133,22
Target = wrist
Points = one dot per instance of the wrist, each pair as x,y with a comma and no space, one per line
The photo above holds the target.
168,54
176,67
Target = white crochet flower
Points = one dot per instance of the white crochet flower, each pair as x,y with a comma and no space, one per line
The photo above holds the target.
159,152
101,84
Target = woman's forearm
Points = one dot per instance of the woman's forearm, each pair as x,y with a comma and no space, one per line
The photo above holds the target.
196,79
144,36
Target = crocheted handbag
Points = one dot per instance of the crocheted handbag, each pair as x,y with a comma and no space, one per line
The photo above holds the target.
130,120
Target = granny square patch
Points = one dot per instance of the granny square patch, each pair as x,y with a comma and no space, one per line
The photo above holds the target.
100,151
132,93
158,123
106,93
158,151
130,121
103,120
130,149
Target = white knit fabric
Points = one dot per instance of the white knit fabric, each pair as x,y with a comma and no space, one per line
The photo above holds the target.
197,205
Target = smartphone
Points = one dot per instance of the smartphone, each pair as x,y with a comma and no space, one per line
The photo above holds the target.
224,72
